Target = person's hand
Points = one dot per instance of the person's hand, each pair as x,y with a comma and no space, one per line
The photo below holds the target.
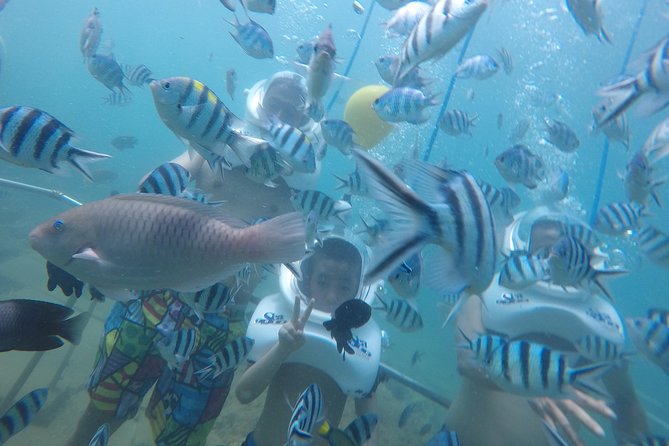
291,334
557,414
66,281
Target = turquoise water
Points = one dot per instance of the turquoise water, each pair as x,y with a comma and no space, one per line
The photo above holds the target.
43,68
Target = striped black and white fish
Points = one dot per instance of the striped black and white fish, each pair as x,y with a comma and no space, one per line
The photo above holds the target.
33,138
561,136
209,300
230,356
401,314
116,99
598,349
108,72
531,369
618,218
446,208
265,166
654,244
651,338
639,179
457,122
21,413
360,430
308,411
438,32
651,83
293,145
483,346
176,347
138,75
570,265
659,314
404,104
387,66
518,164
101,436
444,437
193,112
505,59
520,270
324,207
253,39
479,67
166,179
354,184
502,201
405,278
338,133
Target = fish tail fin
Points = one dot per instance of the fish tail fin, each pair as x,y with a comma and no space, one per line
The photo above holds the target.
342,183
416,222
72,328
280,239
315,109
245,146
623,94
601,273
585,379
73,155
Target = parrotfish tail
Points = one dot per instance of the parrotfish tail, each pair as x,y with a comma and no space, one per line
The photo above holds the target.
623,94
280,239
245,146
73,155
415,221
71,329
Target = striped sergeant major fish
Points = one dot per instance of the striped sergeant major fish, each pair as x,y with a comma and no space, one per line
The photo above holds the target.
502,201
172,179
387,66
561,136
518,164
521,269
308,411
265,166
483,346
230,356
505,59
400,313
531,369
21,413
479,67
405,278
108,72
176,347
91,35
651,338
338,133
404,104
618,218
457,122
598,349
639,178
438,32
588,16
138,75
194,113
33,138
660,315
116,99
293,145
356,433
209,300
617,129
101,436
324,207
654,244
651,83
444,437
570,264
446,208
252,38
354,184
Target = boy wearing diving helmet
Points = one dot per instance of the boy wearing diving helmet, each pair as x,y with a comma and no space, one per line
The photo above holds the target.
293,350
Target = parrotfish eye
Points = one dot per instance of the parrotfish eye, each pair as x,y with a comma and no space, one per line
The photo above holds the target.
58,225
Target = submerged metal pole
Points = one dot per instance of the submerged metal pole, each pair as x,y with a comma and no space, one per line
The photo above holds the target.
58,195
390,373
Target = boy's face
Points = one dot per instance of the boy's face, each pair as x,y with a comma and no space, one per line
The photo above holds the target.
332,282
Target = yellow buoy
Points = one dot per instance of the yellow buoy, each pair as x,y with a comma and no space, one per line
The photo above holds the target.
369,128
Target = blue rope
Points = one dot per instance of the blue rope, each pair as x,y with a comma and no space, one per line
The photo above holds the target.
605,151
447,97
353,54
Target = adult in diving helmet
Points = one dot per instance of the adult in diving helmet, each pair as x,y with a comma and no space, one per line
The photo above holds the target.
581,322
293,350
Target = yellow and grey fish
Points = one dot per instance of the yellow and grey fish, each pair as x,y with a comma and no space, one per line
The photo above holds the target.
618,218
265,166
479,67
305,50
518,164
457,122
147,242
32,325
651,338
228,357
91,34
324,206
639,180
438,32
21,413
502,201
32,138
519,130
176,347
253,39
387,66
588,16
355,434
293,145
404,104
138,75
166,179
561,136
117,99
108,72
194,112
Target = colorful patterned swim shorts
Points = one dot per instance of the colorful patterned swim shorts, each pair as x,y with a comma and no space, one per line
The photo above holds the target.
184,404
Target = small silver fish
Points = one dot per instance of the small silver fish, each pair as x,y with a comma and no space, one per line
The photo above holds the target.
518,164
358,8
231,82
108,72
479,67
91,35
262,6
457,122
253,39
588,16
561,136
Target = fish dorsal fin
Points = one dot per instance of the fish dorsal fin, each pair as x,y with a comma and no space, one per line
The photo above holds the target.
215,212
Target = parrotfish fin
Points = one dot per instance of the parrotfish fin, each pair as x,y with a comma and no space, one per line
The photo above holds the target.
280,239
87,254
623,94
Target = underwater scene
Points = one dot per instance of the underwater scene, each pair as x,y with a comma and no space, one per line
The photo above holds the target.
342,222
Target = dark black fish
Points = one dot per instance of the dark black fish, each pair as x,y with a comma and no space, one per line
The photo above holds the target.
353,313
32,325
124,142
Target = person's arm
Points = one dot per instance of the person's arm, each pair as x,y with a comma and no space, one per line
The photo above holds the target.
258,376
